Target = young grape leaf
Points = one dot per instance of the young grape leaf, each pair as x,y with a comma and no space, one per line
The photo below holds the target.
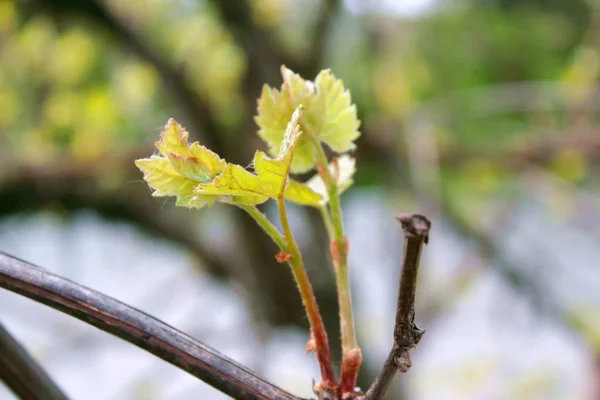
166,181
333,114
330,117
302,194
193,161
181,167
270,180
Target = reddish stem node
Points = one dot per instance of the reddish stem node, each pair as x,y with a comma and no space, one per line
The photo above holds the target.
336,253
336,169
282,257
351,362
311,345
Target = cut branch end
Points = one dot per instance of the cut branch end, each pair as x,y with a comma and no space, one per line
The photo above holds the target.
406,334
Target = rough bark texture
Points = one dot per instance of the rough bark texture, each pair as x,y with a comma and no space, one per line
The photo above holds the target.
406,334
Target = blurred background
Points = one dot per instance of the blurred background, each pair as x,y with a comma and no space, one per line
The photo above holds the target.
482,115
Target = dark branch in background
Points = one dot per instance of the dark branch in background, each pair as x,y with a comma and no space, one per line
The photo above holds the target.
142,330
22,374
406,334
73,185
265,53
311,66
257,43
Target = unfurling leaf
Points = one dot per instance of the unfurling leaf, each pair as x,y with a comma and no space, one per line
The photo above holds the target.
330,117
166,181
197,177
270,180
181,167
343,169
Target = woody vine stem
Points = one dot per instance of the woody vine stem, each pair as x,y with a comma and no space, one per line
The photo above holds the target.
406,334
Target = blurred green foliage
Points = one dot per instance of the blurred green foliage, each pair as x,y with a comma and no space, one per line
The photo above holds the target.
497,82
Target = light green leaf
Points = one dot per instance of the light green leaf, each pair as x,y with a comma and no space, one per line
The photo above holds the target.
302,194
193,161
166,181
330,117
234,185
333,114
342,169
270,180
274,111
180,167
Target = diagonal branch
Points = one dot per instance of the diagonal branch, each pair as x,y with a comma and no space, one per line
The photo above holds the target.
198,115
24,187
142,330
263,48
406,334
22,374
259,44
323,26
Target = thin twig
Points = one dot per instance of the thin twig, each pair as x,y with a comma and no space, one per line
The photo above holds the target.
22,374
140,329
406,334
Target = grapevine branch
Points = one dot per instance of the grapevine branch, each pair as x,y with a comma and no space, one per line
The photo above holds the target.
138,328
406,334
22,374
